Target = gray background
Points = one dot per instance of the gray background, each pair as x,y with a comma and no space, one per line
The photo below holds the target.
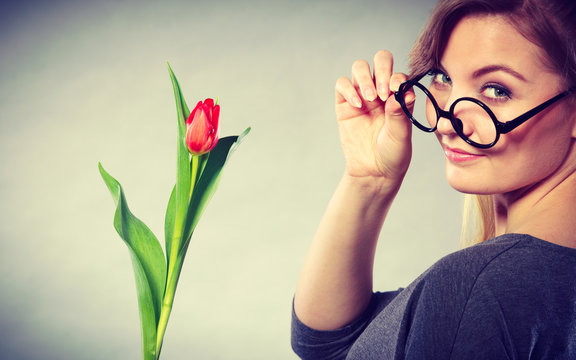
82,82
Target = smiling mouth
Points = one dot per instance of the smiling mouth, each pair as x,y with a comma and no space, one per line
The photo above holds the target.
459,155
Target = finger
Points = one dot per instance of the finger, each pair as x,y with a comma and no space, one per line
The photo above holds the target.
362,77
347,92
383,65
395,115
395,81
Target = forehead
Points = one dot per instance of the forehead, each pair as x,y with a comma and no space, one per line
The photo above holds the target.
483,40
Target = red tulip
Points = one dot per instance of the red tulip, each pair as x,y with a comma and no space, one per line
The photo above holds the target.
202,127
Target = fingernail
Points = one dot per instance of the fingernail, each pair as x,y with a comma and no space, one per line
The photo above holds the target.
394,85
369,94
384,91
409,98
356,102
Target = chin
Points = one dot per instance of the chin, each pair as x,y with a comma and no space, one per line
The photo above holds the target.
467,189
468,183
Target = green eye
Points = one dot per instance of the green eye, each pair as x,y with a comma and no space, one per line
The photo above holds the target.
496,92
445,78
441,78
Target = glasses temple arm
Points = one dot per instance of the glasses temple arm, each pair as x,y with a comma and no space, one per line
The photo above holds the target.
508,126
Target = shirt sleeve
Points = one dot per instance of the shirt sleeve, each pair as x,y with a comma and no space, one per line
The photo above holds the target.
309,343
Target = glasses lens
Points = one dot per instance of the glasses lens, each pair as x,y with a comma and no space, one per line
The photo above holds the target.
474,122
424,114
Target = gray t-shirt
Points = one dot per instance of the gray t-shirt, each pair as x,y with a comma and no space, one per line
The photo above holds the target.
512,297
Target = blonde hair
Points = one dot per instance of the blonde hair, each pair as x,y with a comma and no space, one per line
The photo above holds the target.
478,221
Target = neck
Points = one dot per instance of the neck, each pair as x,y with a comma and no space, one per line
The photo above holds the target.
546,210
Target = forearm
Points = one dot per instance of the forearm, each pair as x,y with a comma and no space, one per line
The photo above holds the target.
335,285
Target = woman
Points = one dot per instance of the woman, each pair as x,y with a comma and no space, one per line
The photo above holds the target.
500,81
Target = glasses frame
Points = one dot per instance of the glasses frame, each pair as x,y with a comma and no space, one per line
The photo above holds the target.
501,127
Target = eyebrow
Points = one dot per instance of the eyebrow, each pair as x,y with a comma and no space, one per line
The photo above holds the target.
494,68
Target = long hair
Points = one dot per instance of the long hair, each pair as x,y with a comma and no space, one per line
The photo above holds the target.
549,24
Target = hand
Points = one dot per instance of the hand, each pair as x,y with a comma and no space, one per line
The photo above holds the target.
374,131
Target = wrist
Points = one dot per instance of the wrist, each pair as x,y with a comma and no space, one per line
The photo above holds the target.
373,187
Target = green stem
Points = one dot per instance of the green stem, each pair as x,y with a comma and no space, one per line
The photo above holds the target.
175,264
168,301
193,175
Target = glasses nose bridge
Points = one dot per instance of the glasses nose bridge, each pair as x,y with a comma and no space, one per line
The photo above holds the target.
444,114
455,123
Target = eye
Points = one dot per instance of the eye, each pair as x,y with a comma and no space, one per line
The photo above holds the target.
495,92
443,79
439,80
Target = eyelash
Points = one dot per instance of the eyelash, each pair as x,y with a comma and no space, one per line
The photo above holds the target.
506,93
434,74
499,88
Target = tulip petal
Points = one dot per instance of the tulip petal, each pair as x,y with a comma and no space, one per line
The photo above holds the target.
196,134
209,103
193,113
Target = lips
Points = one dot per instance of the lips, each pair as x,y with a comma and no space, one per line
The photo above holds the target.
459,155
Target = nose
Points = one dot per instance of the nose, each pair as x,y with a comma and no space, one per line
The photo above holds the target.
444,100
444,124
449,123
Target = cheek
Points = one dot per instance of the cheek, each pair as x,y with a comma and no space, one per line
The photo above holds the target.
431,116
530,166
546,135
522,158
531,154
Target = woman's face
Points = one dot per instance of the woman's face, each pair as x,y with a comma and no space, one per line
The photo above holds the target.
488,59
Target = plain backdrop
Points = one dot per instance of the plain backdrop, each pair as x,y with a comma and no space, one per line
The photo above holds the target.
86,81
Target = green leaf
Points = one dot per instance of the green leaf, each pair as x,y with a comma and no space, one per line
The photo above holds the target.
147,260
182,188
208,182
169,220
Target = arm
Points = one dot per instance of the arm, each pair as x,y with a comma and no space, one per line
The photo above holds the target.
335,285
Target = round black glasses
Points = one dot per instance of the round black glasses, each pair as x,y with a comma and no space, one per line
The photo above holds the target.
474,117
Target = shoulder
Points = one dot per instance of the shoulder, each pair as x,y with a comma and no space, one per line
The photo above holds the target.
519,301
510,259
514,266
438,300
456,306
465,266
422,321
483,253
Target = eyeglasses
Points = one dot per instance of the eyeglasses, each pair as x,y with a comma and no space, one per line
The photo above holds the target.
476,123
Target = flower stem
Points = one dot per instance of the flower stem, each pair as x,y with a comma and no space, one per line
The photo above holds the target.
193,175
175,263
168,301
